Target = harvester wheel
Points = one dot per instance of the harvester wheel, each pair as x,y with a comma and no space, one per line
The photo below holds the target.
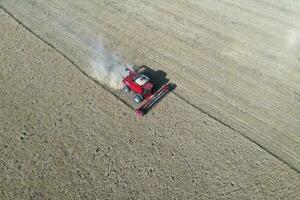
126,89
138,98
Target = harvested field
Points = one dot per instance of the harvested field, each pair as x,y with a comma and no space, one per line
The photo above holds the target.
230,129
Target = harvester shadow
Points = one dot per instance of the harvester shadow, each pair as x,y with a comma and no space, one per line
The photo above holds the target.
158,78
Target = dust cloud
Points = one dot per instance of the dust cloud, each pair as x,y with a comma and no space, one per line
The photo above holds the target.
107,66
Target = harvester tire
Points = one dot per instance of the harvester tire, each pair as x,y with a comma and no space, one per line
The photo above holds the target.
138,98
126,89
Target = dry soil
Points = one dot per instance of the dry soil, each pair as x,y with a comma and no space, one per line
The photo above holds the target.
230,130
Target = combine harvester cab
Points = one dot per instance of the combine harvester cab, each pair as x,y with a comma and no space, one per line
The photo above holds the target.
144,90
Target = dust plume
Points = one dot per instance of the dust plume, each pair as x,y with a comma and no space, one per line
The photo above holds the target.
107,66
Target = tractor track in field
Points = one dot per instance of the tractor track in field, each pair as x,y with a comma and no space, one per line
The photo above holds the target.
232,128
129,106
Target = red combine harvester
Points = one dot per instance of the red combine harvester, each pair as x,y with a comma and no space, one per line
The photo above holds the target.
143,90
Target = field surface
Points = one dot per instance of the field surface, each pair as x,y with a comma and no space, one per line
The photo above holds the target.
230,129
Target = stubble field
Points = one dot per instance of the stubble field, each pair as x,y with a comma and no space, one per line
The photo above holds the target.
230,129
